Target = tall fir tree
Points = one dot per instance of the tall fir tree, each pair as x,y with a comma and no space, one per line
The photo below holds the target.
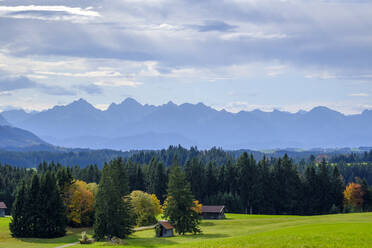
39,210
53,219
180,206
337,188
34,204
19,223
114,215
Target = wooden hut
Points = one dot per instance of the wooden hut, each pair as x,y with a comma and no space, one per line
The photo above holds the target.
2,209
164,229
213,212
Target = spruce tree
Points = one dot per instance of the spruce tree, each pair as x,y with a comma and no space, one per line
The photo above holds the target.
338,186
52,209
179,204
19,223
34,204
113,216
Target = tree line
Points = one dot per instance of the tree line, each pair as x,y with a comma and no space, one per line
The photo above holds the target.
104,200
51,200
267,186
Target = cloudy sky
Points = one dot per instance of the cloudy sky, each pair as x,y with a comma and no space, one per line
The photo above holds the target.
232,54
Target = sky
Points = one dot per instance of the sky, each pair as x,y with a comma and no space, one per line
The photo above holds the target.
233,54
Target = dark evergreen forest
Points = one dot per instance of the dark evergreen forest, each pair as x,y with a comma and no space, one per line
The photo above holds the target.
245,183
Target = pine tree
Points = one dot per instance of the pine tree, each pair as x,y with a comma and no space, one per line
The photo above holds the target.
248,182
211,180
265,183
19,223
156,179
180,203
34,206
337,186
39,210
113,216
52,209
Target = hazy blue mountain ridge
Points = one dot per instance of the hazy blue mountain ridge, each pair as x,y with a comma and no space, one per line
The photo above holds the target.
131,125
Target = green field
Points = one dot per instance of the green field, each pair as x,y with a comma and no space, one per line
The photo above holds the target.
342,230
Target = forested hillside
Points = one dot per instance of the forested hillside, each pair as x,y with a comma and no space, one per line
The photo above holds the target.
83,157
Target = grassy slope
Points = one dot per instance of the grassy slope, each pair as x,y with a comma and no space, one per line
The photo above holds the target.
6,240
346,230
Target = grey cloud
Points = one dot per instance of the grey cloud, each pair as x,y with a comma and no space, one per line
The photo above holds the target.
313,38
90,89
56,90
17,83
214,26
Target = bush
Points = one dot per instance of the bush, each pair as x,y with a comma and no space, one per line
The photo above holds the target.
84,239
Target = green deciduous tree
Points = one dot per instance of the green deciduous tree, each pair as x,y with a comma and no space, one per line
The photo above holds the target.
146,207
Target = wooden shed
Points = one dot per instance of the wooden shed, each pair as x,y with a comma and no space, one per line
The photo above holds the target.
164,229
213,212
2,209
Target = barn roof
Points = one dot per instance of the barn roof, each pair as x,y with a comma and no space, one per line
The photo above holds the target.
212,209
166,224
2,205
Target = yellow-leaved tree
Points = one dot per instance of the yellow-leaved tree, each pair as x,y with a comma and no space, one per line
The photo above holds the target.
146,207
80,205
353,195
197,207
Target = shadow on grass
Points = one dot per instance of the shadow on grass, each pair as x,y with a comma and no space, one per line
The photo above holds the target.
205,223
72,235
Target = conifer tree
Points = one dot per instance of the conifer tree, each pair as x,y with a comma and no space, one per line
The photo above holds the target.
34,206
19,223
179,206
156,179
52,209
337,188
39,210
113,216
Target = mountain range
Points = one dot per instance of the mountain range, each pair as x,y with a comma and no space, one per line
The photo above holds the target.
131,125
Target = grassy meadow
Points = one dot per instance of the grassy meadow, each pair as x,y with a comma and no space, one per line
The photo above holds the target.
342,230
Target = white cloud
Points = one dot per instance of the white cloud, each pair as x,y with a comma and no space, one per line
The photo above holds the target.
321,75
89,74
48,12
253,35
276,70
101,106
359,94
119,83
56,8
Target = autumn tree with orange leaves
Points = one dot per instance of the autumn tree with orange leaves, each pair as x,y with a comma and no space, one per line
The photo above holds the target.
80,205
353,195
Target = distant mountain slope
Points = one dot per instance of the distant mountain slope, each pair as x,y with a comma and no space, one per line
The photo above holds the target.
13,138
131,125
3,121
16,116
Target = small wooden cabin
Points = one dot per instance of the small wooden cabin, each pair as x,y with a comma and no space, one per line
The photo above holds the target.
2,209
213,212
164,229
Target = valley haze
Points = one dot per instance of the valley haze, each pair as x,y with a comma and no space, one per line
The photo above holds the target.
131,125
